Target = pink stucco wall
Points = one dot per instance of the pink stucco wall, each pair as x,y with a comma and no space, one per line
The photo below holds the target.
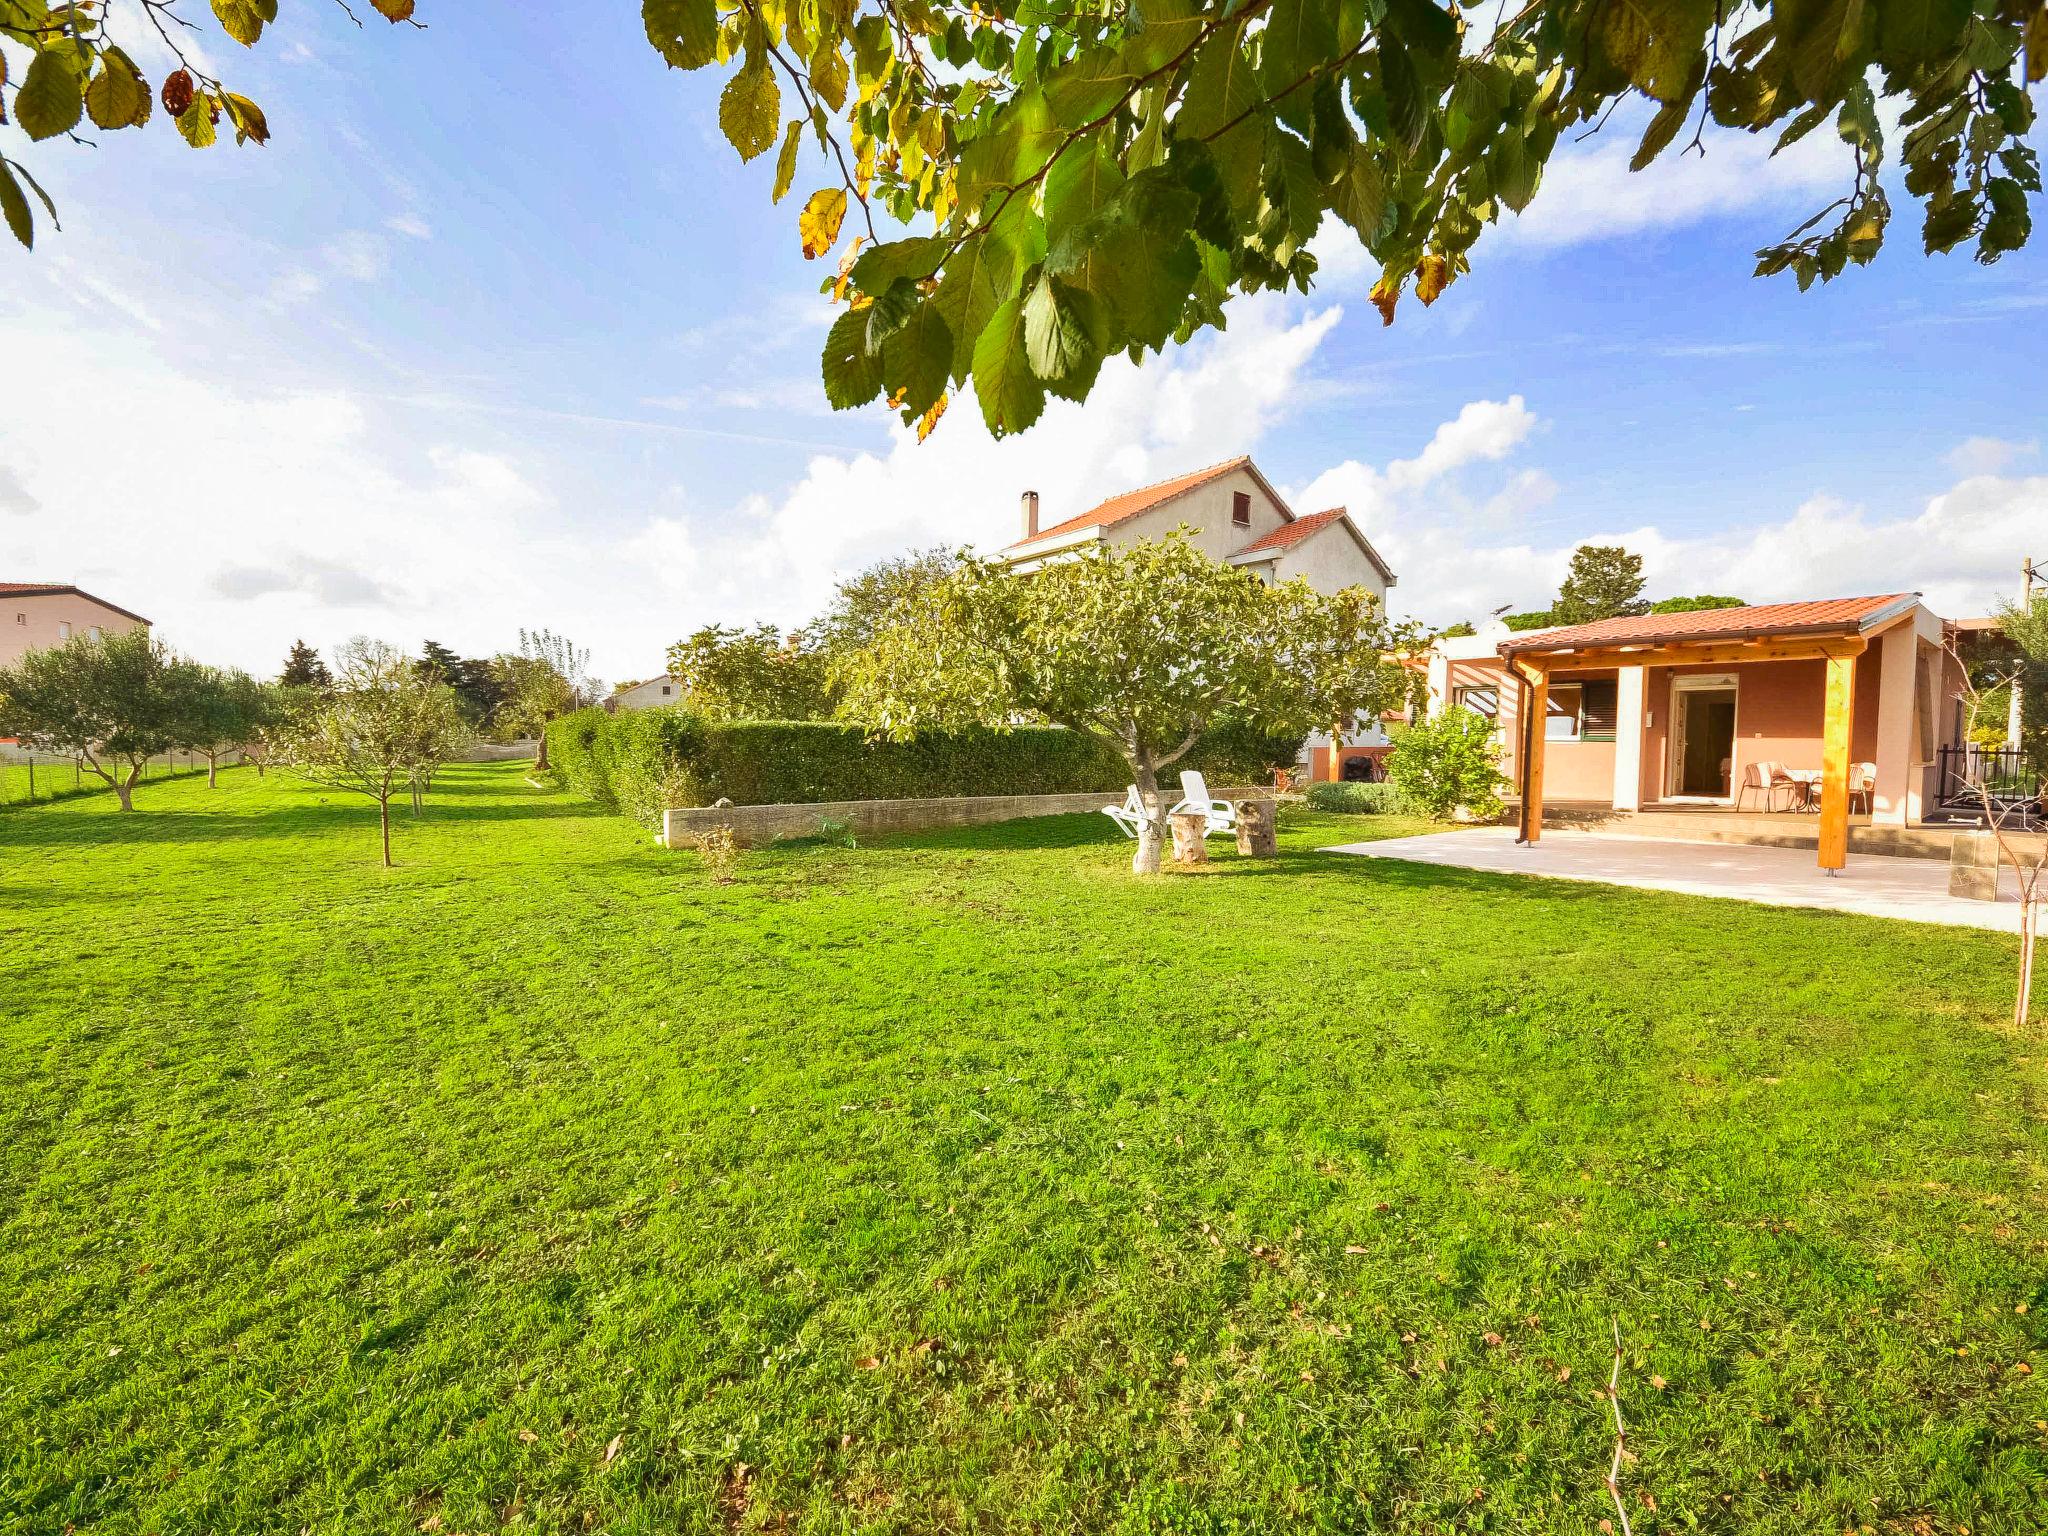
1779,709
36,622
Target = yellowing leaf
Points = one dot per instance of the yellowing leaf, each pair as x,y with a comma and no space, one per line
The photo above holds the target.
240,19
819,223
394,10
1432,277
118,96
247,117
196,123
49,101
749,109
785,163
930,418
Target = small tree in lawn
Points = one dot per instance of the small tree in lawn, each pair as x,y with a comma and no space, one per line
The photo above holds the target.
547,678
226,711
112,701
1141,647
2004,802
441,729
366,733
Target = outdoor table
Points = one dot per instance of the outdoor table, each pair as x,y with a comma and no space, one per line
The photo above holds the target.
1807,780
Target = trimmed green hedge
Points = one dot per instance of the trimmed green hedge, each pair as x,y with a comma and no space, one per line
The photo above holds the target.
639,761
1380,799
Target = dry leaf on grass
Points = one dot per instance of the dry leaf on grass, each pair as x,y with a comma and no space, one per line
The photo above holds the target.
611,1451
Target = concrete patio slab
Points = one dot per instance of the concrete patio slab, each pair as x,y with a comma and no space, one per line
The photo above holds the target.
1915,890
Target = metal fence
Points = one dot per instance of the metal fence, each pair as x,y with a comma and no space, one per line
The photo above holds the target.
28,778
2013,777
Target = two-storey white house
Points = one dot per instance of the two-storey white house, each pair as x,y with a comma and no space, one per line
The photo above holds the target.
1233,514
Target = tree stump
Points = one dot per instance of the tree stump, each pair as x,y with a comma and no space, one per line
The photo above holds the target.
1973,866
1190,845
1257,838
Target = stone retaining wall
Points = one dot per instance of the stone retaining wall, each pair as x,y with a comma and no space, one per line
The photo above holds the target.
754,824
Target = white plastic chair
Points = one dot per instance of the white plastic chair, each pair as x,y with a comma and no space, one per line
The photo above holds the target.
1128,815
1195,796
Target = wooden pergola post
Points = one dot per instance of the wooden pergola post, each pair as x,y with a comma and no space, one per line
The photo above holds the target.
1533,736
1835,753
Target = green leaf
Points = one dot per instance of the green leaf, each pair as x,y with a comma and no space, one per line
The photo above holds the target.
1662,130
1088,85
852,375
917,360
1516,169
1011,396
1360,197
49,101
1081,184
888,312
1300,37
14,204
1062,329
1149,261
684,32
118,96
750,107
1913,32
785,162
1407,110
978,278
1222,88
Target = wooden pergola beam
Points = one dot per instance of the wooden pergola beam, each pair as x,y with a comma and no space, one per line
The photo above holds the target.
1718,654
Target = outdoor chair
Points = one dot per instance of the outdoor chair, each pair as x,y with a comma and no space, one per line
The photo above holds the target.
1128,815
1765,779
1863,786
1195,797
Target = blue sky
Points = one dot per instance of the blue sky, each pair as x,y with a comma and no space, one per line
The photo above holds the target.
497,331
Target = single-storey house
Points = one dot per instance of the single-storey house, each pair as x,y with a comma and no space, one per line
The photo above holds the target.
37,615
1850,697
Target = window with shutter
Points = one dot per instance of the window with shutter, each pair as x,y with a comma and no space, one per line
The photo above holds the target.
1599,711
1241,509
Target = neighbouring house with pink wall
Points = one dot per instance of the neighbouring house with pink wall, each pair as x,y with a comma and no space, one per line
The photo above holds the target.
35,615
1676,709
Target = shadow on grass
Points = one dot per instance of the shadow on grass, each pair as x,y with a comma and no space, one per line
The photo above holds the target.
1079,830
333,810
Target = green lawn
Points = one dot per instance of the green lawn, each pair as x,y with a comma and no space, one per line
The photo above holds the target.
965,1184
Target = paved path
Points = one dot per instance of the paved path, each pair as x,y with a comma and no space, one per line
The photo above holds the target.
1913,889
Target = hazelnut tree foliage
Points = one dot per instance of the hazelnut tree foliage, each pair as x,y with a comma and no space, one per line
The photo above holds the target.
1033,185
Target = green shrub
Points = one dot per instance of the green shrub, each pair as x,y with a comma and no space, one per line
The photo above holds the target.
639,761
1447,763
1358,799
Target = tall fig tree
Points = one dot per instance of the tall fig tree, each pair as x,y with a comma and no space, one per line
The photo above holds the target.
112,701
1143,648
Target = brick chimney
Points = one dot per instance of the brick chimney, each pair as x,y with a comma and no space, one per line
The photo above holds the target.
1030,500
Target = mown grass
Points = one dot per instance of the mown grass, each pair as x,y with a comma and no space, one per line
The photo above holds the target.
963,1183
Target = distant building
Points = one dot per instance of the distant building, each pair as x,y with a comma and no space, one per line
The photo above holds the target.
36,615
1233,514
655,693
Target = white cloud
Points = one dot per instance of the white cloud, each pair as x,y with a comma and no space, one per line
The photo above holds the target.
1589,193
1484,429
358,254
410,225
1987,455
777,556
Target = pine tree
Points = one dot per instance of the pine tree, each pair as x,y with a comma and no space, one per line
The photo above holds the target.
303,668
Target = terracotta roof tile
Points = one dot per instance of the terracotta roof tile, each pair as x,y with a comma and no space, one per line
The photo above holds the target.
1838,615
1131,503
61,589
1287,535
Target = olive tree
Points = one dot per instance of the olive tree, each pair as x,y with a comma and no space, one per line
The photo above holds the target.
226,710
546,678
1142,647
374,730
112,701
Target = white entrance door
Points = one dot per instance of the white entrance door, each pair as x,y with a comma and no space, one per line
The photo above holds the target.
1702,765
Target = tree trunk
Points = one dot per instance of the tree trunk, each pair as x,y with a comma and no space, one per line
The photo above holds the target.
1190,837
212,770
540,756
124,791
384,821
2029,932
1152,827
